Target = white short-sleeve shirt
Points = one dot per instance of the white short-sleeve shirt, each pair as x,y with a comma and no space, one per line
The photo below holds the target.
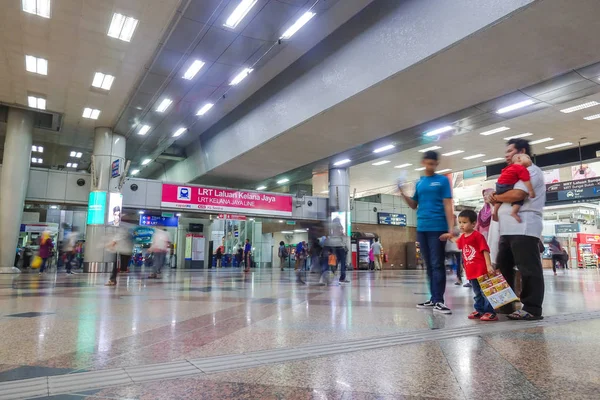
531,211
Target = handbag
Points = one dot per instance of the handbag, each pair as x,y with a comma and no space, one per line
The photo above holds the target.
37,262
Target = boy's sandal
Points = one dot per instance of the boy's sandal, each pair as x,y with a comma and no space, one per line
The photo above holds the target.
521,315
489,317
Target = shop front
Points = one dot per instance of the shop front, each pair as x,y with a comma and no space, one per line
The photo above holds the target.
588,250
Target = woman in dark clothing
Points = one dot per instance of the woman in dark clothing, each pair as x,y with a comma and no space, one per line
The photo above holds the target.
558,254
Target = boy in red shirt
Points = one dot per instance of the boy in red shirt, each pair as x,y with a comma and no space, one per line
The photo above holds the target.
477,262
515,172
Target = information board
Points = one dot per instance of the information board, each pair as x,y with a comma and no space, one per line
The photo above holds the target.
391,219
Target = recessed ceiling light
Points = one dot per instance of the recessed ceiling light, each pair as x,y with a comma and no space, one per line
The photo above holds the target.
75,165
579,107
307,16
453,153
204,109
37,7
383,162
522,135
143,130
403,165
179,132
37,160
473,156
515,106
420,169
103,81
439,131
592,117
193,69
493,160
241,76
135,172
122,27
78,154
239,13
72,165
162,107
497,130
261,188
282,181
341,162
384,148
36,65
146,161
36,102
37,149
547,139
441,171
69,165
90,113
178,215
556,146
140,212
430,149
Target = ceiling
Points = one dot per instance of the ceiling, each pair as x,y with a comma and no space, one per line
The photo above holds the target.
547,123
506,59
75,43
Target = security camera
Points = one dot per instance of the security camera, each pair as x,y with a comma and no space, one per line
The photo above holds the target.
80,182
133,187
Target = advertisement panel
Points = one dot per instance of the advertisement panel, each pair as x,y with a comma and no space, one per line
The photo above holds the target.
225,200
96,208
115,203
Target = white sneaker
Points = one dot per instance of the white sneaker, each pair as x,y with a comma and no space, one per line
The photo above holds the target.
441,308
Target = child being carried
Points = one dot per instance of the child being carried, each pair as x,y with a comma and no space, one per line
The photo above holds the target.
509,176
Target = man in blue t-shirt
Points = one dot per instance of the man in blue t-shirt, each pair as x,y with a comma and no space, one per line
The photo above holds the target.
435,216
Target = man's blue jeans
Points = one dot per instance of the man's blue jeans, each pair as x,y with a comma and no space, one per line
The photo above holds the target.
433,252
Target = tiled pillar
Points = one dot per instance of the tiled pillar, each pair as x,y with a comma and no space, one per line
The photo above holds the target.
339,208
108,167
13,187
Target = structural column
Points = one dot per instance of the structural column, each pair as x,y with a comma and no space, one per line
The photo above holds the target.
13,186
108,163
339,208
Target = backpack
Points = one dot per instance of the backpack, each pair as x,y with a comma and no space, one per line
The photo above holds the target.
284,253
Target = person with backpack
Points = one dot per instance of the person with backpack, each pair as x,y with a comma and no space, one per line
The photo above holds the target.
283,254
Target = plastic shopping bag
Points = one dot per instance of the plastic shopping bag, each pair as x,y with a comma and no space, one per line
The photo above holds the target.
36,262
496,289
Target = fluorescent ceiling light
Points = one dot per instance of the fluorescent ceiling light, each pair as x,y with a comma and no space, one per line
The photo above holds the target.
146,161
36,102
439,130
384,148
493,160
179,132
473,156
37,149
143,130
547,139
193,69
556,146
37,160
307,16
122,27
341,162
497,130
325,191
90,113
162,107
579,107
381,162
205,108
241,76
72,165
103,81
420,169
515,106
522,135
287,232
239,13
300,230
261,188
36,65
592,117
78,154
429,149
69,165
140,212
135,172
282,181
403,165
37,7
453,153
444,170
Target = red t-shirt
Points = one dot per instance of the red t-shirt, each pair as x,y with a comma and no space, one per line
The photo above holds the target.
472,247
513,174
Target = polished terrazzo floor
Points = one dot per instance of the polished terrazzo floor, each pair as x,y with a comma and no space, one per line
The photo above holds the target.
58,324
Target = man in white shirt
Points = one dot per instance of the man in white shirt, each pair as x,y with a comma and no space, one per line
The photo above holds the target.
377,249
519,241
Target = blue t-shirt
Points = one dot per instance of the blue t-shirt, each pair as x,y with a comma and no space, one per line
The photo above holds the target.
299,248
247,248
430,194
